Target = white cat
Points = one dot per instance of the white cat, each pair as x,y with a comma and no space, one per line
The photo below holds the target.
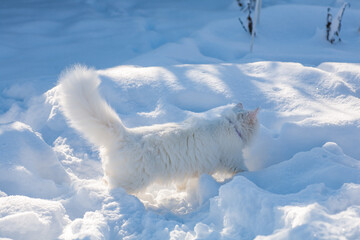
133,158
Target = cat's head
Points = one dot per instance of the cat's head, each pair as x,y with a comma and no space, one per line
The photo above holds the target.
245,122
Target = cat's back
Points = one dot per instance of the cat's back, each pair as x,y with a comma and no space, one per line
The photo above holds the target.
175,133
158,129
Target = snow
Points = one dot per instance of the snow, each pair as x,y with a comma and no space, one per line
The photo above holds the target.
31,218
165,61
29,166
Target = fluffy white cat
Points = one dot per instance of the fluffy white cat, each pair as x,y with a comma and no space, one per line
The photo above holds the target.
133,158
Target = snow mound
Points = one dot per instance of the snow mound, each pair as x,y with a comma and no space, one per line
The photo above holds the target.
28,166
244,211
327,165
29,218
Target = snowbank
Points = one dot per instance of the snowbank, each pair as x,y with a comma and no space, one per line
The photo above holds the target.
30,218
28,166
242,210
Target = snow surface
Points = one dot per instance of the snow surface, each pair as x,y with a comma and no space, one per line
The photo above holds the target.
163,61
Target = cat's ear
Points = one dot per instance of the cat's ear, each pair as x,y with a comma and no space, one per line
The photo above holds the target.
253,115
239,105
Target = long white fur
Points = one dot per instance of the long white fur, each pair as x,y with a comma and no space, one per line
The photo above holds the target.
133,158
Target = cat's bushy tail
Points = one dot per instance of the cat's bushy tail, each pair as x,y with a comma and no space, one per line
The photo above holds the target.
85,109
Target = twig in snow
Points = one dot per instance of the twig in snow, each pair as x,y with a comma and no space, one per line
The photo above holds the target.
333,26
